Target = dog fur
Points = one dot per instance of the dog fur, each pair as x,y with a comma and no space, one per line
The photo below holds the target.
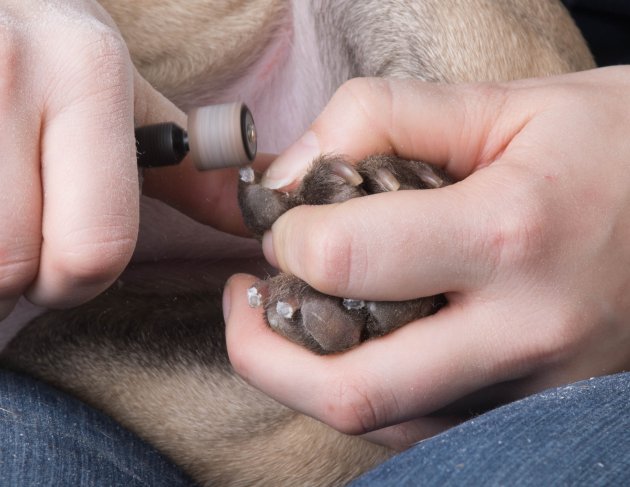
150,351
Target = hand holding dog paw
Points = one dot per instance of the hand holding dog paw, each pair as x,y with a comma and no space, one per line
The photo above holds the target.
530,248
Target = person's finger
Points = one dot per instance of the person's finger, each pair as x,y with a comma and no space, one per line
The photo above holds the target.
209,197
150,106
251,344
402,436
89,175
20,204
369,387
358,249
407,244
457,126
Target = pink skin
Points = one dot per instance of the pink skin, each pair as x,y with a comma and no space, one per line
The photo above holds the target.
530,248
284,93
61,244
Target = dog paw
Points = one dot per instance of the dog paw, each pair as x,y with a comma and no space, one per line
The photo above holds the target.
327,324
322,323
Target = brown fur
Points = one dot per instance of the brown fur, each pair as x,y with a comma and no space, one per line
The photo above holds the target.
176,44
181,45
155,359
150,352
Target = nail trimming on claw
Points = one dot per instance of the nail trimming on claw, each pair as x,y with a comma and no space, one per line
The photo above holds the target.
254,297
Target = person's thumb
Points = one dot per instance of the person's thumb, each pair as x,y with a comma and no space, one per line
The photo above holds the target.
448,125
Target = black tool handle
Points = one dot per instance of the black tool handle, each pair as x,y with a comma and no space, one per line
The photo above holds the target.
162,144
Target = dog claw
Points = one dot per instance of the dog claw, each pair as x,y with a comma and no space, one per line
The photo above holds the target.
353,304
287,308
430,178
247,175
278,323
260,206
387,180
347,173
257,294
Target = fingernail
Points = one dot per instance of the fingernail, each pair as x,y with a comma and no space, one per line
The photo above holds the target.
268,250
227,301
290,165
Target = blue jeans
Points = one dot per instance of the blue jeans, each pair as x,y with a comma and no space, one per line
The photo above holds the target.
574,435
49,438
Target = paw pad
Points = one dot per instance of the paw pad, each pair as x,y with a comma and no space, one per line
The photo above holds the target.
322,323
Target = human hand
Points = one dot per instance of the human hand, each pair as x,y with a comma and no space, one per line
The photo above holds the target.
530,248
69,187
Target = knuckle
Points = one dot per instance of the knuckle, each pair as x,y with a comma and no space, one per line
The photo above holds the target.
352,89
18,268
330,254
350,409
550,336
514,237
558,339
572,327
360,88
109,48
481,93
100,65
98,41
107,58
358,95
93,255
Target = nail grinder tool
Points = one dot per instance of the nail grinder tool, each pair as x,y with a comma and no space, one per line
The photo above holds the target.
218,136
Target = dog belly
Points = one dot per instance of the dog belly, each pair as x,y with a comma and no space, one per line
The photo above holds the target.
286,87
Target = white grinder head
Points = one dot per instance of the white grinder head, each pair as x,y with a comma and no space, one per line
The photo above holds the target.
221,136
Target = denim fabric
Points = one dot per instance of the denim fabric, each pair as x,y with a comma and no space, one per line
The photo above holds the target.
49,438
574,435
577,435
